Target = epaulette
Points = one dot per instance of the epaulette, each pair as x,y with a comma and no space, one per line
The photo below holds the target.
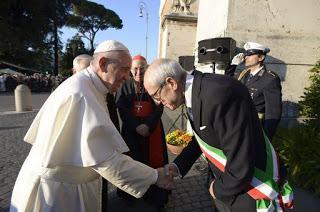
242,73
272,73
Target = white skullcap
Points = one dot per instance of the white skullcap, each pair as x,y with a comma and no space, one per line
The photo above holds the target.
255,46
110,45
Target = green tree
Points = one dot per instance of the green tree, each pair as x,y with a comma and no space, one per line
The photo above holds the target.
58,13
24,29
90,17
310,104
30,32
297,145
74,47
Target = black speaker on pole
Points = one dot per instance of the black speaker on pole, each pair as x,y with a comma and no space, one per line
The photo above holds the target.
187,62
216,50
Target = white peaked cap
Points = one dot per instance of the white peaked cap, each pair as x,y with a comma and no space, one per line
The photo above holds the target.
255,46
110,45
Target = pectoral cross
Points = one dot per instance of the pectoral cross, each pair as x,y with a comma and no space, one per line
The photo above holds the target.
138,106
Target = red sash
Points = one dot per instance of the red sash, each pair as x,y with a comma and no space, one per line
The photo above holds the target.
143,109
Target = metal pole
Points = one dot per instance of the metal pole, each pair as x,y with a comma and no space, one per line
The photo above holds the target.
147,18
143,6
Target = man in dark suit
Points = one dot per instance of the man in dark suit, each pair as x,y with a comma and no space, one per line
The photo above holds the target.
264,86
226,129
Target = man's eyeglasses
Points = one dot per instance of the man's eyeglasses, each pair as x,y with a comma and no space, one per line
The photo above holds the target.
157,94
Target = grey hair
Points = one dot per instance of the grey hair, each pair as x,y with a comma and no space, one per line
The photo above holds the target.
81,61
163,68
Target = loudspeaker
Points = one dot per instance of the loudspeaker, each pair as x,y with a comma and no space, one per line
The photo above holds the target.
216,50
187,62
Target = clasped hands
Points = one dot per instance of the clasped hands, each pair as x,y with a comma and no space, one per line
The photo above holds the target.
166,176
143,130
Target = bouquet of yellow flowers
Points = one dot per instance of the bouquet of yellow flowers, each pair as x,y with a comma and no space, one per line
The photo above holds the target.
178,138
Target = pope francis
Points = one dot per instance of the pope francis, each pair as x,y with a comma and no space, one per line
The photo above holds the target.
74,143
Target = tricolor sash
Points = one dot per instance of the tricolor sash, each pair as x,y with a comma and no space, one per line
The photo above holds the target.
264,187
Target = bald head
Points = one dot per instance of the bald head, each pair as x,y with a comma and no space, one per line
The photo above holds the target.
80,62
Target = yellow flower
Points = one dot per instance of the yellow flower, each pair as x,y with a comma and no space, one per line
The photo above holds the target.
178,138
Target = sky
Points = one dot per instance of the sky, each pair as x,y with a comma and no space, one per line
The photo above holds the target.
133,32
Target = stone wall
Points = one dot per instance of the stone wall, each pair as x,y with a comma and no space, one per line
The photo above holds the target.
177,30
290,28
179,38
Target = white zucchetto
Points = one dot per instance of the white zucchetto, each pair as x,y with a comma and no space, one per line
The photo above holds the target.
110,45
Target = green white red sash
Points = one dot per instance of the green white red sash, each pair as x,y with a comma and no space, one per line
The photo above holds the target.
263,187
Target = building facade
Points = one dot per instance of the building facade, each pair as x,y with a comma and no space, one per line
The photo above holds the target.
178,28
290,28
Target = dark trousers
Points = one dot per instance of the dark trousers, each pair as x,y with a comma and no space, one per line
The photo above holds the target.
104,196
114,118
155,196
242,202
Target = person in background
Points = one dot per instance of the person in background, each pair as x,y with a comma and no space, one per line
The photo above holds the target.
74,143
264,85
2,82
226,128
142,128
80,62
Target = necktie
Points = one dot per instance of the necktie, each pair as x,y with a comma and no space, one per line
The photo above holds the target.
250,77
189,110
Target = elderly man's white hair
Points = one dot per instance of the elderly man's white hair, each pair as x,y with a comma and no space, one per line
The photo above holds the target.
81,61
160,69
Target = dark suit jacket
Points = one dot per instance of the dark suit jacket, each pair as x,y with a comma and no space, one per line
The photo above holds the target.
224,106
265,90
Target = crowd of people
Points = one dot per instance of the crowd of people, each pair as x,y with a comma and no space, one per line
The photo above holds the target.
37,82
76,139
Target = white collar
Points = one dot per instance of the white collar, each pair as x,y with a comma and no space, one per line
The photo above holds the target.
188,90
256,71
96,81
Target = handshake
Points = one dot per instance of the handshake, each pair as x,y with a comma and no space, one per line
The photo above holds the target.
166,176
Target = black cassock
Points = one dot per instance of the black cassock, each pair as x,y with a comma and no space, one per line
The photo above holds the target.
137,108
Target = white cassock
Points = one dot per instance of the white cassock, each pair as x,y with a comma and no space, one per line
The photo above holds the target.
74,144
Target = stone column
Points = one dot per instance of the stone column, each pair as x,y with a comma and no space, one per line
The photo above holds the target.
23,99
